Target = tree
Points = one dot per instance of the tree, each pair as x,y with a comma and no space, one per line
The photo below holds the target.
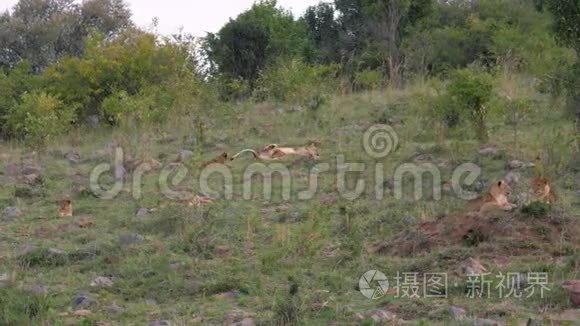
323,30
260,36
567,26
389,20
43,31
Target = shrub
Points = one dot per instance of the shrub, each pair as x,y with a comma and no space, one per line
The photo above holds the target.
368,80
537,209
39,117
470,89
297,83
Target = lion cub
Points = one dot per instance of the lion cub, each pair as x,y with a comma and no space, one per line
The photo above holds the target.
65,209
541,190
496,197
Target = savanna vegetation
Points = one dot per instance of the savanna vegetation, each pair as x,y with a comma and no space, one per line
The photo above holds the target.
490,82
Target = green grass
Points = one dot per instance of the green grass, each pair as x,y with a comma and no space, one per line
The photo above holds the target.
290,262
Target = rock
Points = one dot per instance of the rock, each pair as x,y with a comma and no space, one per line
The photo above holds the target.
484,322
177,266
488,151
512,178
56,252
382,315
142,212
26,249
573,288
423,158
471,266
82,301
223,251
160,323
227,295
103,282
38,289
151,302
457,313
73,156
114,309
184,155
568,315
12,212
245,322
409,220
515,165
131,239
83,313
534,322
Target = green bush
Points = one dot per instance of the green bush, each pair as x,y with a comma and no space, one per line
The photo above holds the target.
537,209
470,90
297,83
368,80
39,117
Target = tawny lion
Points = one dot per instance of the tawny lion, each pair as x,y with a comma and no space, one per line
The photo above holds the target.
65,209
220,160
274,152
495,198
541,190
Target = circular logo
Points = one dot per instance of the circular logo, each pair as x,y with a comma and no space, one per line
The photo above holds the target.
379,141
368,285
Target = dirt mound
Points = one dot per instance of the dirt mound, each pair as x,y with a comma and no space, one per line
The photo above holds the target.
521,233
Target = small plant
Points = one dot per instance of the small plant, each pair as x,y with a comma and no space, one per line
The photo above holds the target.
537,209
39,117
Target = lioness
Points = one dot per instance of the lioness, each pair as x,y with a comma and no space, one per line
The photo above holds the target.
220,160
496,197
541,190
65,209
274,152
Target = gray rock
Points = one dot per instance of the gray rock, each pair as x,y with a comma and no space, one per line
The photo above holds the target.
151,302
177,266
488,151
82,301
142,212
485,322
160,323
38,289
131,239
56,252
12,212
103,282
457,313
245,322
72,156
26,249
184,155
409,220
515,165
114,309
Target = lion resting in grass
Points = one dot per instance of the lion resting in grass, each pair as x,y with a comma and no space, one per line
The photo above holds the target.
65,209
274,152
541,190
495,198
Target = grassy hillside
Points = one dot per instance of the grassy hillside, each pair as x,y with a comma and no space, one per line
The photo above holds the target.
280,261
